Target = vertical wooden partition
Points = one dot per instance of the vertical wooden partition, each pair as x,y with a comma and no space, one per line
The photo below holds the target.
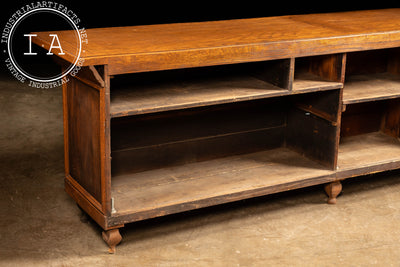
277,72
314,126
87,143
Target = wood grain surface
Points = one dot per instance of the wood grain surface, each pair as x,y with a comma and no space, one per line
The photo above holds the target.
170,46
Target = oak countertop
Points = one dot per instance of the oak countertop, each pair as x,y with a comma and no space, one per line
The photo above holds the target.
168,46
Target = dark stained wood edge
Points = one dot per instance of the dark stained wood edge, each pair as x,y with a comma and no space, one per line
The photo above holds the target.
341,109
376,168
65,122
83,192
343,68
291,74
105,144
88,207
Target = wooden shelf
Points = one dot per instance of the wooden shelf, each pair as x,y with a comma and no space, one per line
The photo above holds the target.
360,152
212,182
156,97
371,87
161,96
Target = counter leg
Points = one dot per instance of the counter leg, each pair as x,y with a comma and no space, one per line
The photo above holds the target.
333,190
112,238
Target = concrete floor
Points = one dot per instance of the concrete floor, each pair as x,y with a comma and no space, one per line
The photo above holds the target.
41,226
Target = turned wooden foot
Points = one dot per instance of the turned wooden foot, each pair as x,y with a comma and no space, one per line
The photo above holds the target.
112,238
333,190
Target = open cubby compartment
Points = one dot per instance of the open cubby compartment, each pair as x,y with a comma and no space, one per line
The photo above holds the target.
319,72
370,134
141,93
372,75
201,154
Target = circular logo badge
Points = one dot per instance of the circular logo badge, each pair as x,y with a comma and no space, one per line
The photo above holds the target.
40,37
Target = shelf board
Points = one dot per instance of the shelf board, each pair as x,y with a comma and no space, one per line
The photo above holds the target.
157,97
373,150
371,87
307,81
175,189
166,96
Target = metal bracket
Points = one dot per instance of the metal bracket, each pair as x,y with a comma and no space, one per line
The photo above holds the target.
113,210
